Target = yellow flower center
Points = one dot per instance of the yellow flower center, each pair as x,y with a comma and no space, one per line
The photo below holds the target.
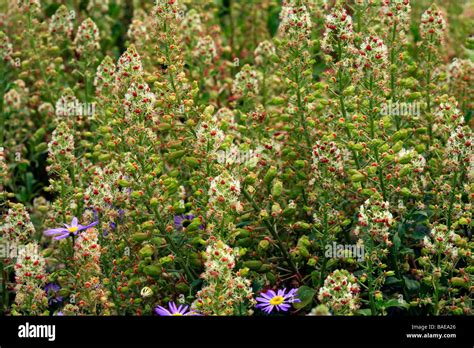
72,229
177,314
277,300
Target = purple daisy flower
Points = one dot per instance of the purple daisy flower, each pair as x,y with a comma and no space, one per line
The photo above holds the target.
279,300
51,290
69,230
182,221
174,311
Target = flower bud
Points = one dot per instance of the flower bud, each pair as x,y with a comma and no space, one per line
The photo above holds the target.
140,237
146,251
264,244
277,188
253,265
458,282
271,174
358,177
153,271
349,91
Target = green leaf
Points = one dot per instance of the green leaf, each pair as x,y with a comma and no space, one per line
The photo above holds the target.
195,283
406,251
420,232
364,312
305,294
392,281
395,303
397,241
412,285
22,166
420,215
273,20
315,278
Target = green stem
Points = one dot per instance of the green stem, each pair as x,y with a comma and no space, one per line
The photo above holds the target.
325,260
372,135
86,86
428,100
168,63
2,92
436,287
344,115
301,111
451,198
4,272
191,275
40,65
63,200
264,88
73,237
394,259
370,277
274,234
373,308
392,73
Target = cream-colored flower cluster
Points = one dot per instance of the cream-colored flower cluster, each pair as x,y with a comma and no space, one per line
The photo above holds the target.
87,39
225,291
224,192
340,292
442,241
375,221
338,30
30,278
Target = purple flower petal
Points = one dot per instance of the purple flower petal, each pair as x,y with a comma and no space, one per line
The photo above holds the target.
162,311
61,236
263,299
178,220
52,287
271,293
172,307
184,309
173,310
284,307
268,309
53,231
81,227
265,295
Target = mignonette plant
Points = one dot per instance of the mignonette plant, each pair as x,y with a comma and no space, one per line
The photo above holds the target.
269,158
